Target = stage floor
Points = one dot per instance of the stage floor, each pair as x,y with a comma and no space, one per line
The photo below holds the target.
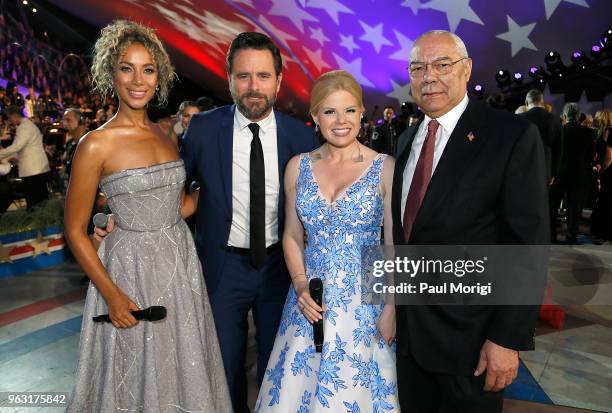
41,313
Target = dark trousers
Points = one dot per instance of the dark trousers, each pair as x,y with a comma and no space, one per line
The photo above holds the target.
574,192
35,189
242,288
427,392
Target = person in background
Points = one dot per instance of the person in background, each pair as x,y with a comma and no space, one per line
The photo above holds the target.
384,137
578,152
32,160
186,111
551,133
74,122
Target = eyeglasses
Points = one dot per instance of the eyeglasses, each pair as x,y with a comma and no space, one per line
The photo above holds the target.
444,67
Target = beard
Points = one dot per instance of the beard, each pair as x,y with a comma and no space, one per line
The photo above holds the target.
256,109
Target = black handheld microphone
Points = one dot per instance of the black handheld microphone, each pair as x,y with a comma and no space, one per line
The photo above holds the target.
315,286
153,313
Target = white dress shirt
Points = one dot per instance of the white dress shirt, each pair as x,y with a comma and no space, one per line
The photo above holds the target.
241,196
448,121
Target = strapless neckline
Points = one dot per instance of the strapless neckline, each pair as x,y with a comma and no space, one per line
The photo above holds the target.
148,169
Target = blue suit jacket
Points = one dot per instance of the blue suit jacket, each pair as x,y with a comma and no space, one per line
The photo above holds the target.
207,152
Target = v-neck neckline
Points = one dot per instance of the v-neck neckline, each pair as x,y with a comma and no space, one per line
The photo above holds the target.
344,192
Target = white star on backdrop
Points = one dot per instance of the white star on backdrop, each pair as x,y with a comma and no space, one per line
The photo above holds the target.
400,92
354,68
374,35
282,36
403,54
456,10
414,5
287,59
319,36
332,7
551,5
189,28
315,57
349,43
290,10
518,36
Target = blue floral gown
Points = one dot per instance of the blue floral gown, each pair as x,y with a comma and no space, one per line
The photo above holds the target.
355,372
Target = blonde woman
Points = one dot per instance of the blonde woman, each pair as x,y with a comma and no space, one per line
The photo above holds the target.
340,195
169,365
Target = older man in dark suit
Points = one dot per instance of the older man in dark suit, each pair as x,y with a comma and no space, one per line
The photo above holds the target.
466,174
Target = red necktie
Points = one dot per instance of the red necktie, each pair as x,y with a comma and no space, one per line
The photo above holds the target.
420,179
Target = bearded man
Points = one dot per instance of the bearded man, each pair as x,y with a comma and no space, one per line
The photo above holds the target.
238,153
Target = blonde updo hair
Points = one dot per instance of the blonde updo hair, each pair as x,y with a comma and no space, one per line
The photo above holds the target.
110,46
330,82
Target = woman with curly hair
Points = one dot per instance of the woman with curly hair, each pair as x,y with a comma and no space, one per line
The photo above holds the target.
169,365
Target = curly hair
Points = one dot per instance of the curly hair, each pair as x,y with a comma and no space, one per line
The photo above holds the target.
110,46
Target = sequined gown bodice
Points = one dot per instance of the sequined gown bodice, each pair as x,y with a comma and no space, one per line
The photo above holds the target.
171,365
355,372
145,199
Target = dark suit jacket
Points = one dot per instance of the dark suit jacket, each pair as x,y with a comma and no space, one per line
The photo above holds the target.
551,132
386,137
487,191
207,152
578,152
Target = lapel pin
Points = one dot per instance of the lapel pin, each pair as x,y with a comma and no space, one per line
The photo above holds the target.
471,136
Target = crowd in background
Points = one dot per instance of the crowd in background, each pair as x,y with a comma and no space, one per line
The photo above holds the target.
62,108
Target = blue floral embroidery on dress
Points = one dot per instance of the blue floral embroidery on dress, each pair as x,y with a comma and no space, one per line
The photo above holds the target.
352,408
305,402
367,317
276,376
300,361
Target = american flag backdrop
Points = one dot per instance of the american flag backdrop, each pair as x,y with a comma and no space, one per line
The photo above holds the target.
369,38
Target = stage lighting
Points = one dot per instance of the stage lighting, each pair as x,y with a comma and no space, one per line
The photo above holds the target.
553,62
478,90
34,10
596,51
580,60
25,2
538,74
503,78
517,77
604,40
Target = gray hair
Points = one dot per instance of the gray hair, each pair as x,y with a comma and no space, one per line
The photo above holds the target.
459,45
534,96
571,111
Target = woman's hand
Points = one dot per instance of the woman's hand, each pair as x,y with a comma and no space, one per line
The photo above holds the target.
386,324
119,310
311,310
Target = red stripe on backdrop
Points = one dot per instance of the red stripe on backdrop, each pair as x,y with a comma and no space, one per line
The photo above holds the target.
38,307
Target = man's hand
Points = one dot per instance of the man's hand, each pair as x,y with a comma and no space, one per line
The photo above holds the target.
100,234
501,365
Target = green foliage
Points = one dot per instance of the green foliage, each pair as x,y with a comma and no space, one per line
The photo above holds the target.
47,214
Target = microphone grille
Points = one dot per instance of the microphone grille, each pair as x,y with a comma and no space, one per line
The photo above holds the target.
100,220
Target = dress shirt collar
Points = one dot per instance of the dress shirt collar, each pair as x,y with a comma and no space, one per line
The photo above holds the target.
265,125
449,120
